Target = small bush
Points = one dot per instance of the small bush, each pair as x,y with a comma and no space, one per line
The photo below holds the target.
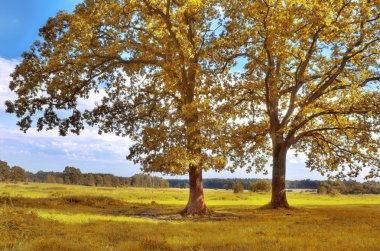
334,192
261,186
322,189
238,188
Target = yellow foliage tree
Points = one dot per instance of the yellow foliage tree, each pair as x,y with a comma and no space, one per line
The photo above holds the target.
311,83
156,61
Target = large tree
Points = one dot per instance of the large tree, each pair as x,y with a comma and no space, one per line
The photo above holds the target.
311,84
155,62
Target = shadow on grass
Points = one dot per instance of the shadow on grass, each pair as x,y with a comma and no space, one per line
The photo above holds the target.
112,207
161,212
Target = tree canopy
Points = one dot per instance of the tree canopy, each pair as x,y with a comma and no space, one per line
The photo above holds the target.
155,61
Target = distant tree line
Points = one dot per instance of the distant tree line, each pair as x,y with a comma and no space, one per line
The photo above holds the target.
214,183
246,183
74,176
302,184
262,185
348,187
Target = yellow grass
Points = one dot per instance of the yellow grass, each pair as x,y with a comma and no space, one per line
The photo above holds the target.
62,217
174,196
86,218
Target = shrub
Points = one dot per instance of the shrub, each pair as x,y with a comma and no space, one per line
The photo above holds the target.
322,190
328,186
261,186
238,188
334,192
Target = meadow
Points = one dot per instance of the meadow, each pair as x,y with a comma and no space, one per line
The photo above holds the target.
67,217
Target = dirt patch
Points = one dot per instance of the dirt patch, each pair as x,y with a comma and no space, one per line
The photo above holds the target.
170,213
143,210
213,217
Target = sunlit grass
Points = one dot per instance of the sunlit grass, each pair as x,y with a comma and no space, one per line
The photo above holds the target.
174,196
87,218
316,229
64,217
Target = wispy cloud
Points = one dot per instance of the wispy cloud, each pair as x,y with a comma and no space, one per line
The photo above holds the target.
294,158
6,68
89,146
93,99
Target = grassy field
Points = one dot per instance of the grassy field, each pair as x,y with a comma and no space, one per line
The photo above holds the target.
62,217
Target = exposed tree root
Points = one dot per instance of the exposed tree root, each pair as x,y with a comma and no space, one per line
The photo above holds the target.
272,206
193,211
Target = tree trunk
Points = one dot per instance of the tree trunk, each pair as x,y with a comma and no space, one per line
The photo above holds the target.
196,204
278,177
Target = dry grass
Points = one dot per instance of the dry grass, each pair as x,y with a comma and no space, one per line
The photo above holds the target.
83,218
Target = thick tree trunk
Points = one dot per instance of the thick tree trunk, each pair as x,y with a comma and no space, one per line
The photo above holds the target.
196,204
278,177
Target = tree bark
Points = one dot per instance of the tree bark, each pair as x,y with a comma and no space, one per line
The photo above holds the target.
196,204
278,177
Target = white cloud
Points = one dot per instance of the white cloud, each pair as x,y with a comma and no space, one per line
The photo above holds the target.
293,159
6,68
93,99
89,146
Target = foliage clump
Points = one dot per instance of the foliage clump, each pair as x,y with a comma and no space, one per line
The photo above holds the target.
238,188
334,192
260,186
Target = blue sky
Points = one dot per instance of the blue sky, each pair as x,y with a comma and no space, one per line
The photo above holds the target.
20,21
